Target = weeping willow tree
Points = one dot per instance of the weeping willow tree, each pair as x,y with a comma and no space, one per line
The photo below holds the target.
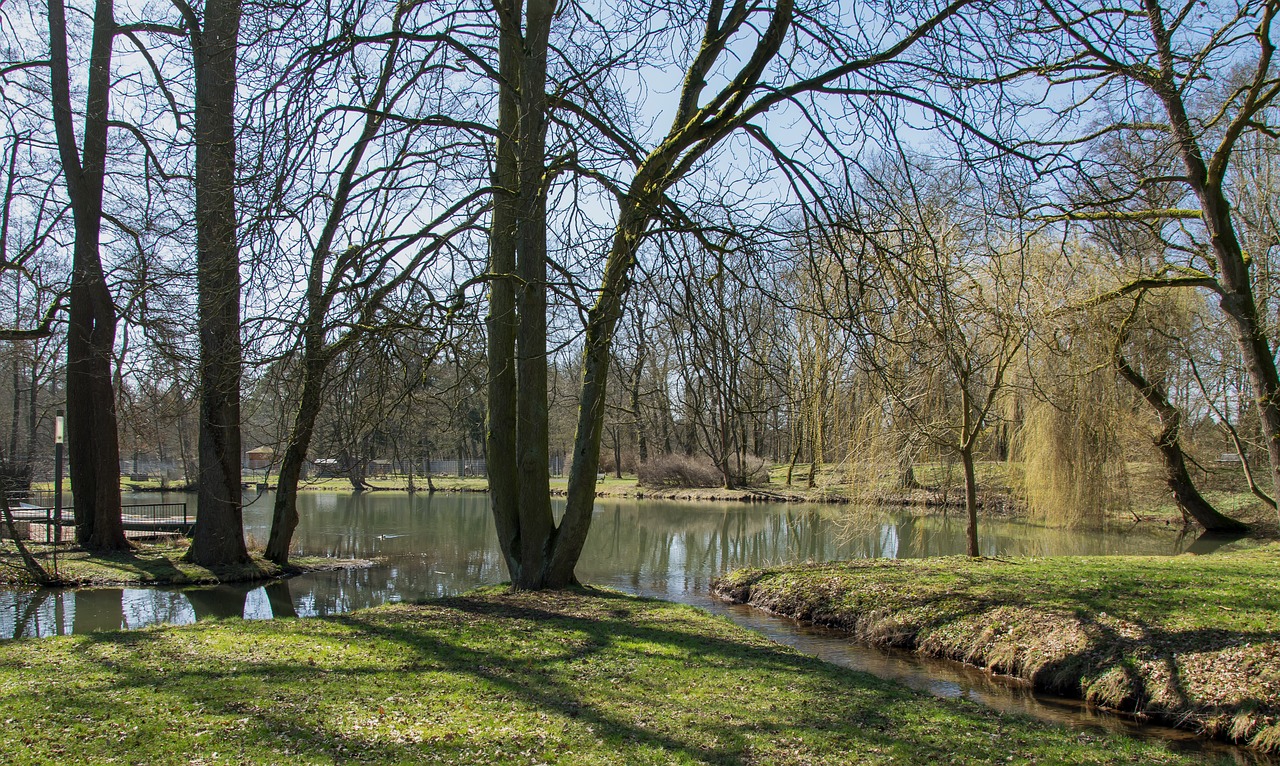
1073,462
1069,440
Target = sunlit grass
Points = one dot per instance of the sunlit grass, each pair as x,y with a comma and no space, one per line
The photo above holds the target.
1192,638
574,678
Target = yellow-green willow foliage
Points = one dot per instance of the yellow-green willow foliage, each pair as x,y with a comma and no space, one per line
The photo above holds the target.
1073,462
1071,440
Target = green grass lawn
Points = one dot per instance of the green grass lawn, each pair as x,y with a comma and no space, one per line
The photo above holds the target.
576,678
1193,639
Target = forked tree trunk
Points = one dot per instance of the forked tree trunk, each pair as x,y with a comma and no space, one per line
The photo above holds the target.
517,443
540,554
93,452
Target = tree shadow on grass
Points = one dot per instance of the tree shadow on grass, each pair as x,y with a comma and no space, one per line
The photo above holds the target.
552,666
549,682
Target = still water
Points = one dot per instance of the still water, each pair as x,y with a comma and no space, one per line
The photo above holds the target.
444,544
438,545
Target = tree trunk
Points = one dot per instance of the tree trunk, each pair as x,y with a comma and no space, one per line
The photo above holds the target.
316,353
500,441
795,456
284,514
16,416
970,499
602,321
617,453
93,452
537,523
642,442
33,409
1236,296
538,553
219,530
33,420
357,470
907,473
1185,494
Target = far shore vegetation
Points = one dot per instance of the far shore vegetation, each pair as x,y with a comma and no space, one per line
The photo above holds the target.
1002,490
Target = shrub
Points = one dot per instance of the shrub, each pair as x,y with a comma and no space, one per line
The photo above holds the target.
629,461
683,471
688,472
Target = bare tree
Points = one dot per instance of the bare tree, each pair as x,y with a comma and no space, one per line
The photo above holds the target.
385,195
219,532
539,552
1145,74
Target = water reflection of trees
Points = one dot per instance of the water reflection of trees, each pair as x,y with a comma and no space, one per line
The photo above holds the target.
444,544
48,612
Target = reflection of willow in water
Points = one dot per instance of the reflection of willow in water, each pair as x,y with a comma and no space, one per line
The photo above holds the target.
874,532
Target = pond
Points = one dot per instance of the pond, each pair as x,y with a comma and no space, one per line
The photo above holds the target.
444,544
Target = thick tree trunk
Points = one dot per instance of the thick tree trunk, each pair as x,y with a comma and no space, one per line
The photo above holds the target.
1236,296
1178,479
537,524
219,531
500,441
93,452
517,446
357,469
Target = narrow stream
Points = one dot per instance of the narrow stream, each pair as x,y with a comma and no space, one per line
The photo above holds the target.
444,544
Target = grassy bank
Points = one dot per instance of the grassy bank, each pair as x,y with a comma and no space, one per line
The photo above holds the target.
148,564
1194,640
581,678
